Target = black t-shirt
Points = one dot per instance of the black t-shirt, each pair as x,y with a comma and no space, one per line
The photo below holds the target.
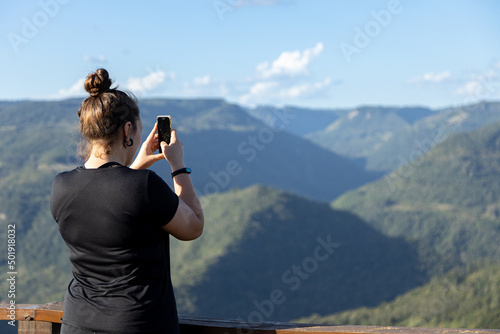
111,219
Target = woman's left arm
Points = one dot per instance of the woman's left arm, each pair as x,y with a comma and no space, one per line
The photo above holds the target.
146,156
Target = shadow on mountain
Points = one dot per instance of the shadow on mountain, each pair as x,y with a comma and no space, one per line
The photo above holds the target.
227,159
299,257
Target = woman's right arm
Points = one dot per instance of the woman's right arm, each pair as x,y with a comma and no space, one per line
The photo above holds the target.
188,221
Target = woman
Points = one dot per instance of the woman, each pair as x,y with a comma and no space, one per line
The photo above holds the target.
116,219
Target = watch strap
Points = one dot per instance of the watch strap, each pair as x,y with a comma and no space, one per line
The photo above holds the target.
184,170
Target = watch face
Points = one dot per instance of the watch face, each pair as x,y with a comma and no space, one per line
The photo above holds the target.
188,170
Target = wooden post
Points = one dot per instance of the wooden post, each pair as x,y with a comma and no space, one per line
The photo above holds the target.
36,319
38,327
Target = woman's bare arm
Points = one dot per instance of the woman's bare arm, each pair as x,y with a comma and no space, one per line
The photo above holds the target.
188,221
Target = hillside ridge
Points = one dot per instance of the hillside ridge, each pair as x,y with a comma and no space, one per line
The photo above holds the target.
296,248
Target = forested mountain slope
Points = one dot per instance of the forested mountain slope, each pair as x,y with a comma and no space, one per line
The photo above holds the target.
448,204
283,256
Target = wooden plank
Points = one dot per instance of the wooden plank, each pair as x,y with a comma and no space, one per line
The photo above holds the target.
233,323
193,324
50,312
383,330
30,315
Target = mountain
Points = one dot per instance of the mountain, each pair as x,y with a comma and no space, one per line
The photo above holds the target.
228,148
267,254
447,204
303,121
459,299
260,244
364,130
383,138
355,133
407,145
225,146
36,141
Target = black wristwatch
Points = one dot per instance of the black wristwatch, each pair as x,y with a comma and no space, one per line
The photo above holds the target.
181,171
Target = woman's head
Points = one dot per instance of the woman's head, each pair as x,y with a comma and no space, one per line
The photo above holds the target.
104,113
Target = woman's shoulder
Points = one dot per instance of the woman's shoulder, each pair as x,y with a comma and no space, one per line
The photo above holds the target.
147,175
67,173
119,172
81,172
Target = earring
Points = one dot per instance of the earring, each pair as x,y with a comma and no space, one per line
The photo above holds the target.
127,144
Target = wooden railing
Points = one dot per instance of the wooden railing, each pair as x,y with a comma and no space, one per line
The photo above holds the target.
46,319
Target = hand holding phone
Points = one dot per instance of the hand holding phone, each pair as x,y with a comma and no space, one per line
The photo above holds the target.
164,129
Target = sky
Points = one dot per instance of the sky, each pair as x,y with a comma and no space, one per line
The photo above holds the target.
309,53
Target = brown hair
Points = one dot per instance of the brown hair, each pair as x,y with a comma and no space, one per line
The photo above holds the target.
103,113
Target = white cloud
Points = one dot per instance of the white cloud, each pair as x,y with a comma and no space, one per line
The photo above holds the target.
259,91
76,90
305,90
436,77
476,86
432,77
290,63
94,59
482,86
469,88
203,81
148,82
135,85
284,79
205,86
274,92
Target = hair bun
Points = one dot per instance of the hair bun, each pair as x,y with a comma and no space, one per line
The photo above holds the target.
98,82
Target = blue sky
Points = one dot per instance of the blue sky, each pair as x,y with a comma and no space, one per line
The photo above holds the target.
313,53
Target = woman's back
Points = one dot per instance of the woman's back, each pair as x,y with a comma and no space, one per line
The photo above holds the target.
111,220
117,220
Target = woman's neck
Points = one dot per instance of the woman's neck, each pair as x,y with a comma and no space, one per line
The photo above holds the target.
98,158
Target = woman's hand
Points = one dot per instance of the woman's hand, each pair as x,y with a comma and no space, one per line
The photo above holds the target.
146,156
173,152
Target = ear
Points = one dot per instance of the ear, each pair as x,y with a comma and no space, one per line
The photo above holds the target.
127,130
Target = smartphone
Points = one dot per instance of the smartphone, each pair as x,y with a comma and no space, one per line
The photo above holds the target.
164,129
